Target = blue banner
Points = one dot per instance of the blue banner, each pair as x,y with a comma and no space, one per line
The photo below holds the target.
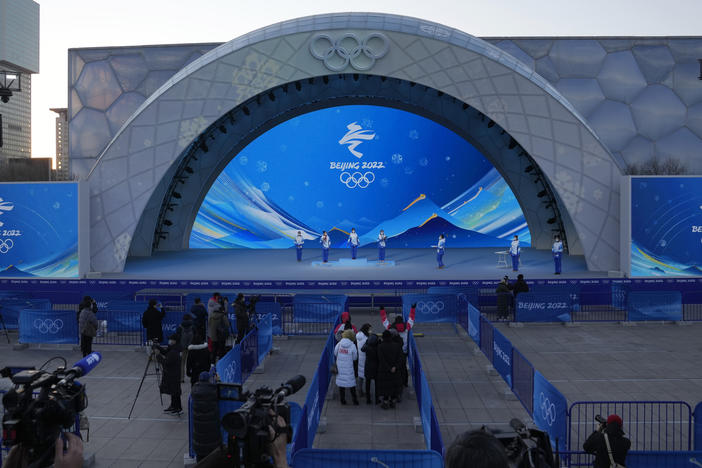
249,354
318,308
265,336
523,380
229,366
663,459
502,356
550,411
474,323
10,309
438,308
342,458
654,305
535,307
48,326
272,308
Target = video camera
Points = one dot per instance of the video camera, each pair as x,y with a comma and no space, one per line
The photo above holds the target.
36,421
248,426
527,447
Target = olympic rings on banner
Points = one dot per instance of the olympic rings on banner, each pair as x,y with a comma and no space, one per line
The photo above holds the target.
349,49
6,245
356,179
548,410
430,307
48,326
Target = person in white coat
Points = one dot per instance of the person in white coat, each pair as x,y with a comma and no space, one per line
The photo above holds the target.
382,239
440,246
557,251
361,338
346,353
353,241
514,251
326,243
299,241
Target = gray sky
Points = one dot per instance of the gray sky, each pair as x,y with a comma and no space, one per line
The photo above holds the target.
89,23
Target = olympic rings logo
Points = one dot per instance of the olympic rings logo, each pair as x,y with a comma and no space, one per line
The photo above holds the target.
6,245
548,410
229,373
430,307
348,49
356,179
48,326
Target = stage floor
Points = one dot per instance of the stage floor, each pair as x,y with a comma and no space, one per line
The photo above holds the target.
402,264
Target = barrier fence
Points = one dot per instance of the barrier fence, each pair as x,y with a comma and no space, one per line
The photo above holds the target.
312,315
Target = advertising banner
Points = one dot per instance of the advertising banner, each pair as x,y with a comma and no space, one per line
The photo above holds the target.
502,356
229,366
474,323
552,307
550,410
318,308
272,309
431,307
39,230
654,305
48,326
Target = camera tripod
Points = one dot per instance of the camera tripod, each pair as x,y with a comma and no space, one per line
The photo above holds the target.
157,373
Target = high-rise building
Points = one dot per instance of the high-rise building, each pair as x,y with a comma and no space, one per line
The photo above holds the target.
19,53
62,163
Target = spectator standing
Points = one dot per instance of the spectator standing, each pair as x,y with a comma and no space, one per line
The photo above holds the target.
608,443
198,358
185,333
402,329
389,377
169,358
213,303
199,313
361,338
370,367
519,286
346,353
504,299
87,325
219,332
152,320
345,319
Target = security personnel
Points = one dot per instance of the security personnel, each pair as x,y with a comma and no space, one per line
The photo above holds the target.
326,243
353,240
514,251
298,245
557,250
440,250
381,246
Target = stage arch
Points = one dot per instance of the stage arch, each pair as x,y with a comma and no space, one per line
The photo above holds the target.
165,129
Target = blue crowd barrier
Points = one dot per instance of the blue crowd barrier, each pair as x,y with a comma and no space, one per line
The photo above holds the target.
11,307
325,458
435,308
698,426
430,425
486,330
318,308
248,349
523,380
265,336
229,366
654,305
48,326
273,309
502,356
543,307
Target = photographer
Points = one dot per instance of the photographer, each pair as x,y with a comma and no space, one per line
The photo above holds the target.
169,358
87,324
152,321
608,443
476,449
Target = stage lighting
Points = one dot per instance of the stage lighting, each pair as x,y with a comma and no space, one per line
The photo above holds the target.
223,129
298,86
491,124
551,220
246,110
204,147
465,106
522,153
177,195
512,143
168,222
542,193
271,96
700,77
529,168
188,169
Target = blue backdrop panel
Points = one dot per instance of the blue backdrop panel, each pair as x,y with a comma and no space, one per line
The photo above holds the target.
11,309
502,356
272,308
431,307
325,458
474,323
229,366
654,305
318,308
537,307
550,410
48,326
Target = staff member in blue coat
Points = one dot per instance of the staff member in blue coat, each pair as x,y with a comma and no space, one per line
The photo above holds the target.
381,246
557,250
326,243
298,245
353,241
514,251
440,250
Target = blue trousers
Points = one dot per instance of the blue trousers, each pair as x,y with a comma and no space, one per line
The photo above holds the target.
325,255
354,249
299,254
381,253
515,262
557,262
440,258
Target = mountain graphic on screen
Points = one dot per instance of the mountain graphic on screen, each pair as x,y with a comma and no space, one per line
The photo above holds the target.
338,238
428,234
14,272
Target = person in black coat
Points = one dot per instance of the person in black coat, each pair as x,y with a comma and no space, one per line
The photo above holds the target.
389,378
152,321
198,360
504,299
619,444
370,368
519,286
199,314
169,358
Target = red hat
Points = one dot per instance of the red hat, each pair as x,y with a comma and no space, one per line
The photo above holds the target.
344,317
614,418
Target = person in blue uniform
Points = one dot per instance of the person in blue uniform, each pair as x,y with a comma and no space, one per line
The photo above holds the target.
557,250
353,241
440,250
381,246
326,243
298,245
514,251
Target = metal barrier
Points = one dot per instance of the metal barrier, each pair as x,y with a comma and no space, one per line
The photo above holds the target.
650,425
309,318
486,337
523,380
120,327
